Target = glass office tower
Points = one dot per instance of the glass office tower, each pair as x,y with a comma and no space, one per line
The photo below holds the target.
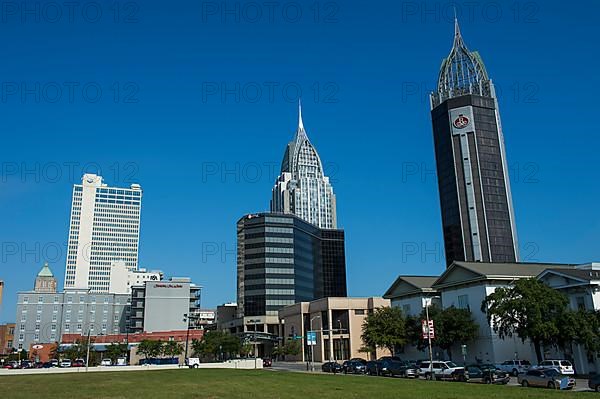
283,260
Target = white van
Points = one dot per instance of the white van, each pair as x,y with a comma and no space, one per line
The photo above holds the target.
562,366
193,362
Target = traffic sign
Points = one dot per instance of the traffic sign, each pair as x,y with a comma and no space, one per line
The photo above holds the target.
311,338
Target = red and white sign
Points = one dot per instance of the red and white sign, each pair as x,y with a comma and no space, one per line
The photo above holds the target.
37,347
461,122
428,330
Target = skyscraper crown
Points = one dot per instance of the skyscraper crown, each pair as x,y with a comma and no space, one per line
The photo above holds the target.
462,72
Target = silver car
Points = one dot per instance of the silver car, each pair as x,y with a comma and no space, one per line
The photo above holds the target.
547,378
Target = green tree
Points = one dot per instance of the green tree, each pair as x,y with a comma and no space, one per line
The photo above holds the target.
150,348
384,328
215,343
452,327
292,347
115,350
581,327
530,309
172,349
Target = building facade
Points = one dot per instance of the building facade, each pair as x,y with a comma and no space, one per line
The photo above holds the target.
474,188
43,316
582,287
165,305
302,187
338,325
7,338
465,285
282,260
104,228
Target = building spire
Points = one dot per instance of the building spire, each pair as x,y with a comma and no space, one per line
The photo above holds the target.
300,123
458,41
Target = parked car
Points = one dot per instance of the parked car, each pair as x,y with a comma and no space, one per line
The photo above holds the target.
359,359
65,363
55,362
267,362
78,363
393,368
353,367
594,382
514,366
395,358
562,366
549,378
373,367
106,362
47,365
12,365
408,370
331,367
487,374
121,361
26,364
443,370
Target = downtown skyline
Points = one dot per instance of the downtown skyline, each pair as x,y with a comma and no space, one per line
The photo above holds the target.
197,162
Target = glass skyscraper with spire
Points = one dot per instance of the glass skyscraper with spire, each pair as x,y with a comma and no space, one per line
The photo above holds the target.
477,211
302,187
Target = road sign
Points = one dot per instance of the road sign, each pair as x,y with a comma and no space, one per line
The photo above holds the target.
428,330
311,338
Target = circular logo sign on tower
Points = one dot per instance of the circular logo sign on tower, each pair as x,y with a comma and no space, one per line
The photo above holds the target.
461,122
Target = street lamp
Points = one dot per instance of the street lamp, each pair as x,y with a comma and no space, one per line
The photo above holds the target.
186,318
312,349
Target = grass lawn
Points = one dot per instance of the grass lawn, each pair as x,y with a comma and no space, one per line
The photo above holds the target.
250,383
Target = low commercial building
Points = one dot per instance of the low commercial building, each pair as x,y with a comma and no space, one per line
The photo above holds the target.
100,342
465,285
338,325
173,304
582,286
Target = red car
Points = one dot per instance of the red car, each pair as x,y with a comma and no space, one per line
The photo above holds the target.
11,365
78,363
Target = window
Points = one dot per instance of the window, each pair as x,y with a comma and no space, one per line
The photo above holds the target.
25,299
580,302
463,302
359,312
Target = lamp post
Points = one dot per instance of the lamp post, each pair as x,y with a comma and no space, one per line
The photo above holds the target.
312,349
186,318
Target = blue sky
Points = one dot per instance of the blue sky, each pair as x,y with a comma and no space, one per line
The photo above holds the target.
196,103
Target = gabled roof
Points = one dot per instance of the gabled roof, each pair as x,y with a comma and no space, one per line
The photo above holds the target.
460,273
572,277
410,285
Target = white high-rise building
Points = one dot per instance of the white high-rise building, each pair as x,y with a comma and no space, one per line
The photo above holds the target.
302,187
104,229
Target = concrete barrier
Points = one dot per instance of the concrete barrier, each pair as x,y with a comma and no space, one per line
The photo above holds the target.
230,364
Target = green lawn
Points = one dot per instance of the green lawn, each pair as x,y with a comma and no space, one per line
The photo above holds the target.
250,383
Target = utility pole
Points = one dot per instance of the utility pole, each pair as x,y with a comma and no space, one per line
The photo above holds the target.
427,303
87,357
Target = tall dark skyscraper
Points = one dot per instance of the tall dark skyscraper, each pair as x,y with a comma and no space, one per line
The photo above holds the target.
477,211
